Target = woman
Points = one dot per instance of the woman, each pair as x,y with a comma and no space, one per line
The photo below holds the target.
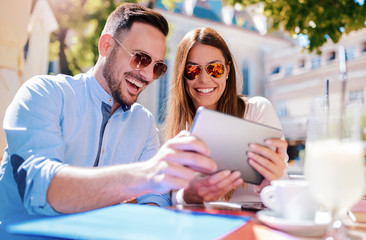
204,75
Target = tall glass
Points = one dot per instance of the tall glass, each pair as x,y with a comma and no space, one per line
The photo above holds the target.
334,162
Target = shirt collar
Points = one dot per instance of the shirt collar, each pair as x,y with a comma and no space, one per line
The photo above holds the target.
102,94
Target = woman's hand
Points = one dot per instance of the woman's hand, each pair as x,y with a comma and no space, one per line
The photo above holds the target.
211,187
268,162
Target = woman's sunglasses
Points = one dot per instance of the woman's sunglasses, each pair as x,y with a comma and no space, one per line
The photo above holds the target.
140,60
192,71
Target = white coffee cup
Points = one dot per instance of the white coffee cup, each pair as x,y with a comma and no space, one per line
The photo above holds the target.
291,199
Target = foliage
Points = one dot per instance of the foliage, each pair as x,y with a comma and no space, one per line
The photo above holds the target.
363,125
81,22
80,25
318,19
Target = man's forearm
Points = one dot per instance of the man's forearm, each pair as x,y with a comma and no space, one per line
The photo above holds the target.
74,189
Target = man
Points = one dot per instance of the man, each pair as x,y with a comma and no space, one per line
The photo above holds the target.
59,127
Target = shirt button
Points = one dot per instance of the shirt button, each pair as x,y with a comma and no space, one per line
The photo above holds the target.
102,151
110,100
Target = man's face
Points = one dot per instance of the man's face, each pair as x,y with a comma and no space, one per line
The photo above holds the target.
126,83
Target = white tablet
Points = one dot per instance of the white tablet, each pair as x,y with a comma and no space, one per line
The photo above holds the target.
228,138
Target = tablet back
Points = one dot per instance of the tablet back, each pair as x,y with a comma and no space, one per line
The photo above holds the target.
228,138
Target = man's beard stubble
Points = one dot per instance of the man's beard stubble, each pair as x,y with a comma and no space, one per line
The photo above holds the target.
113,84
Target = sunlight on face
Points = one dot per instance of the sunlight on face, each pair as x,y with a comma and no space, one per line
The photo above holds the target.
124,82
206,90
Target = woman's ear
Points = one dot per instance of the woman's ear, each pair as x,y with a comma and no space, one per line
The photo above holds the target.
228,70
105,42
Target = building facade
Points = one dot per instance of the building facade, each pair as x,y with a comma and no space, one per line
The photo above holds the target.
248,45
296,78
269,65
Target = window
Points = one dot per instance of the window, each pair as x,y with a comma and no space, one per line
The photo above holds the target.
163,92
245,87
276,70
331,56
350,53
302,63
356,97
281,109
315,62
364,47
288,69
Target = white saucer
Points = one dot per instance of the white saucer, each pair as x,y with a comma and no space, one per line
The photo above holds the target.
303,228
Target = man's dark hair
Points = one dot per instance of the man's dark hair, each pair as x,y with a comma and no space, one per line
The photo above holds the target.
126,14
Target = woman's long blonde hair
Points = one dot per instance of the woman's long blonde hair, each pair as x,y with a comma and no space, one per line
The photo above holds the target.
181,110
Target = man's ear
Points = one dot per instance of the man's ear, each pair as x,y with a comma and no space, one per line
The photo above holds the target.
105,43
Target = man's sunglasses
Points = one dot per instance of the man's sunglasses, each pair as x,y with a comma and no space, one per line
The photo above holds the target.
140,60
192,71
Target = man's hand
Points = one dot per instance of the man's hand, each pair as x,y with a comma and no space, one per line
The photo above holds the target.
175,163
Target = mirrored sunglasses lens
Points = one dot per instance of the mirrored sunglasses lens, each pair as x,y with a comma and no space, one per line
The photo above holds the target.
159,70
192,71
140,60
216,70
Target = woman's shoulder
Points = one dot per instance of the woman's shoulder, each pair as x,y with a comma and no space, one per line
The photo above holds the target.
259,109
256,101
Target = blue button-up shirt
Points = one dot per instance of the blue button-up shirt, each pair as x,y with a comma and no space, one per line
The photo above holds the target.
55,121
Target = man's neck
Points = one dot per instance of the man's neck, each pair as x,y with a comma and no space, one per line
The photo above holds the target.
98,73
115,106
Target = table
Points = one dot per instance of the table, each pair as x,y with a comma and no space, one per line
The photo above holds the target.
96,224
255,230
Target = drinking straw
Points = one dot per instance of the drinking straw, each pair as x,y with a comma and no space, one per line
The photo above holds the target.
343,71
327,108
327,94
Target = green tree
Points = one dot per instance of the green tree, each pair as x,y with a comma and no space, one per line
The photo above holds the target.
318,19
81,22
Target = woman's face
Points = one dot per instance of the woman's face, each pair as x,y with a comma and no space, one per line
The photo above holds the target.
206,90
